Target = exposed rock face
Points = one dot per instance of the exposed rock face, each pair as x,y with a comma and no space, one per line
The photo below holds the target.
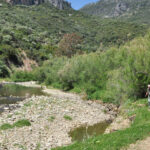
24,2
61,4
120,9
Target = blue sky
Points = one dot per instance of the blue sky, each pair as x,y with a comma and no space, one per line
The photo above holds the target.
77,4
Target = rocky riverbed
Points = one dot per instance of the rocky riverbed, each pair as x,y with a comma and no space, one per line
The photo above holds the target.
49,124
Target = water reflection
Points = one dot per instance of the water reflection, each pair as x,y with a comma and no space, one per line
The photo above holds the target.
11,93
84,132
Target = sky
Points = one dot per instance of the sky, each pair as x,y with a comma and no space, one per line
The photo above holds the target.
77,4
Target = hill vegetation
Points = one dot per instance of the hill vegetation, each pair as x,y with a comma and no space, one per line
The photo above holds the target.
39,30
130,10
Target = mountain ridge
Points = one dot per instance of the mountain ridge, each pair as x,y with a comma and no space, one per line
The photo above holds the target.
60,4
133,10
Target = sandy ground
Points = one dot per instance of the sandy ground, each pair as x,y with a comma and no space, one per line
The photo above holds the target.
141,145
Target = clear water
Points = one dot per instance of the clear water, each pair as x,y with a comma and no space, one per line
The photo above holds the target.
85,132
11,93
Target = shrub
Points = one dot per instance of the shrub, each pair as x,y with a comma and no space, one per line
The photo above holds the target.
132,76
85,72
10,55
22,76
4,71
48,73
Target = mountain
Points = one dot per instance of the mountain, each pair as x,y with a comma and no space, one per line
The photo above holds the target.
61,4
132,10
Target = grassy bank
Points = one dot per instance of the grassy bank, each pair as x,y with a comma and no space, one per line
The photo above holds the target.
139,129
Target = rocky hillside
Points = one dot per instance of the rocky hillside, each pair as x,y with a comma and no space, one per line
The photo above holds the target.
61,4
134,10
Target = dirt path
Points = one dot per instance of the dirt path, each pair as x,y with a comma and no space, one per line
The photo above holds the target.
44,131
141,145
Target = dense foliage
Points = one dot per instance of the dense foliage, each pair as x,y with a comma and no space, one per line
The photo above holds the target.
22,76
4,71
112,75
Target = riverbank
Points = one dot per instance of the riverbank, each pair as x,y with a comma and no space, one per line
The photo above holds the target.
26,84
138,113
51,117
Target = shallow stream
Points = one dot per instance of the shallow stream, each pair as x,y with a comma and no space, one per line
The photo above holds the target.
11,93
84,132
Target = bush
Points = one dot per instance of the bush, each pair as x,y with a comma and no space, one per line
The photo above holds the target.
48,73
82,71
4,71
10,55
132,76
22,76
